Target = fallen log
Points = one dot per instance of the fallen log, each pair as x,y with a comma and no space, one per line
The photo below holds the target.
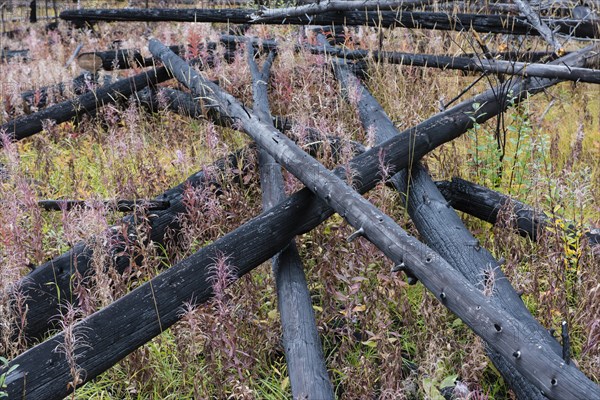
302,346
9,55
127,324
26,126
497,327
486,204
442,230
39,98
117,205
373,116
536,21
42,298
526,56
384,19
321,7
132,58
470,64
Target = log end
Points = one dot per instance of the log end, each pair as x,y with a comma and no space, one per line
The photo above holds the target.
89,62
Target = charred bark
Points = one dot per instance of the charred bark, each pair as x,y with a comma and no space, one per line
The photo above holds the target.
497,327
8,55
486,204
384,19
117,205
132,58
23,127
301,342
470,64
39,98
372,116
147,311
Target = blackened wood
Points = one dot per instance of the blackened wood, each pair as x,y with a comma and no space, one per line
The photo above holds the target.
39,98
118,205
542,367
373,117
535,20
442,229
131,58
385,19
33,12
526,56
301,343
469,64
23,127
127,324
6,55
111,59
486,204
42,300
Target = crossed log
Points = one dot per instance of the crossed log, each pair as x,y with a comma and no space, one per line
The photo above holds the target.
153,307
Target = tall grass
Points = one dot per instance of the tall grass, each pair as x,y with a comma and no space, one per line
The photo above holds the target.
382,338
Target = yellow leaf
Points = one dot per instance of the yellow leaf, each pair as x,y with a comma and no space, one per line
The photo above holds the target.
370,343
359,308
273,314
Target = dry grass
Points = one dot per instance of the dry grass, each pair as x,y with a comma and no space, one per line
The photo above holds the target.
382,338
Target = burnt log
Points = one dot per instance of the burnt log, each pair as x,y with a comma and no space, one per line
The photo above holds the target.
441,128
87,103
542,367
442,229
384,19
523,56
147,311
373,116
39,98
302,346
469,64
42,300
8,55
132,58
117,205
486,204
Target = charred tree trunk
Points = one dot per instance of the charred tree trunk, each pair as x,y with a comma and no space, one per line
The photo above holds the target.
33,12
128,323
23,127
372,116
7,55
384,19
470,64
442,229
486,204
39,98
131,58
301,342
118,205
496,326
